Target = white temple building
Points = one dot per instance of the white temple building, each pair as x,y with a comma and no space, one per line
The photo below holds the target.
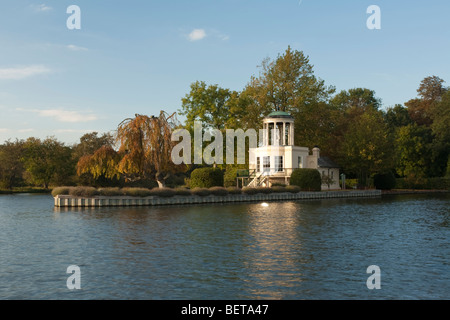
277,156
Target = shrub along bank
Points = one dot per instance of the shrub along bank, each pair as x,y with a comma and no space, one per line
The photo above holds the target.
166,192
306,179
206,178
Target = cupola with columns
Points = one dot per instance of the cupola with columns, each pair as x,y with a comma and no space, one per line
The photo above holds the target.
279,129
277,156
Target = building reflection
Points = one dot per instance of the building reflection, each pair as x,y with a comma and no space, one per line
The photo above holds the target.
273,250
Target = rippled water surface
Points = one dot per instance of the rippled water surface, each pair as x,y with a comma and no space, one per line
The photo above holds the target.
286,250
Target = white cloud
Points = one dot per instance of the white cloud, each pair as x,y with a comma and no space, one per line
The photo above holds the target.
41,7
4,130
66,115
73,47
22,72
197,34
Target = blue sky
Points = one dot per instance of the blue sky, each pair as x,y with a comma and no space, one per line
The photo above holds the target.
141,56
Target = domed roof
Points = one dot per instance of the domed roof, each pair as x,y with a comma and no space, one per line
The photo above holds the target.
279,114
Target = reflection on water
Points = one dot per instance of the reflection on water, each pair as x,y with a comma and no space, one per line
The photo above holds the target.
316,249
274,246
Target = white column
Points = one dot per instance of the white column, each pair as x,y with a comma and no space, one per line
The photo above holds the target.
283,136
291,133
271,135
266,134
277,133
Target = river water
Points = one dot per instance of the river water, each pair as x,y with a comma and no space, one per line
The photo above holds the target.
314,249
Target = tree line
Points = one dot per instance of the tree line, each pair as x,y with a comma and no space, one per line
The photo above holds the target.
37,162
137,154
410,140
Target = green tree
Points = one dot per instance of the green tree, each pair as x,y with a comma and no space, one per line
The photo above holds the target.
103,163
441,134
366,146
210,104
242,112
432,89
441,119
86,156
349,106
430,92
215,107
397,117
254,105
357,101
48,161
317,124
90,142
413,145
430,109
287,83
11,166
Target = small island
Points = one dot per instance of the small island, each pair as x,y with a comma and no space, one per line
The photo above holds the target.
167,196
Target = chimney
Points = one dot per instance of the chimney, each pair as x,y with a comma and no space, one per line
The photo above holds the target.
316,152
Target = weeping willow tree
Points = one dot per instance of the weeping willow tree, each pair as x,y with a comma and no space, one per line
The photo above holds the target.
144,153
146,147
